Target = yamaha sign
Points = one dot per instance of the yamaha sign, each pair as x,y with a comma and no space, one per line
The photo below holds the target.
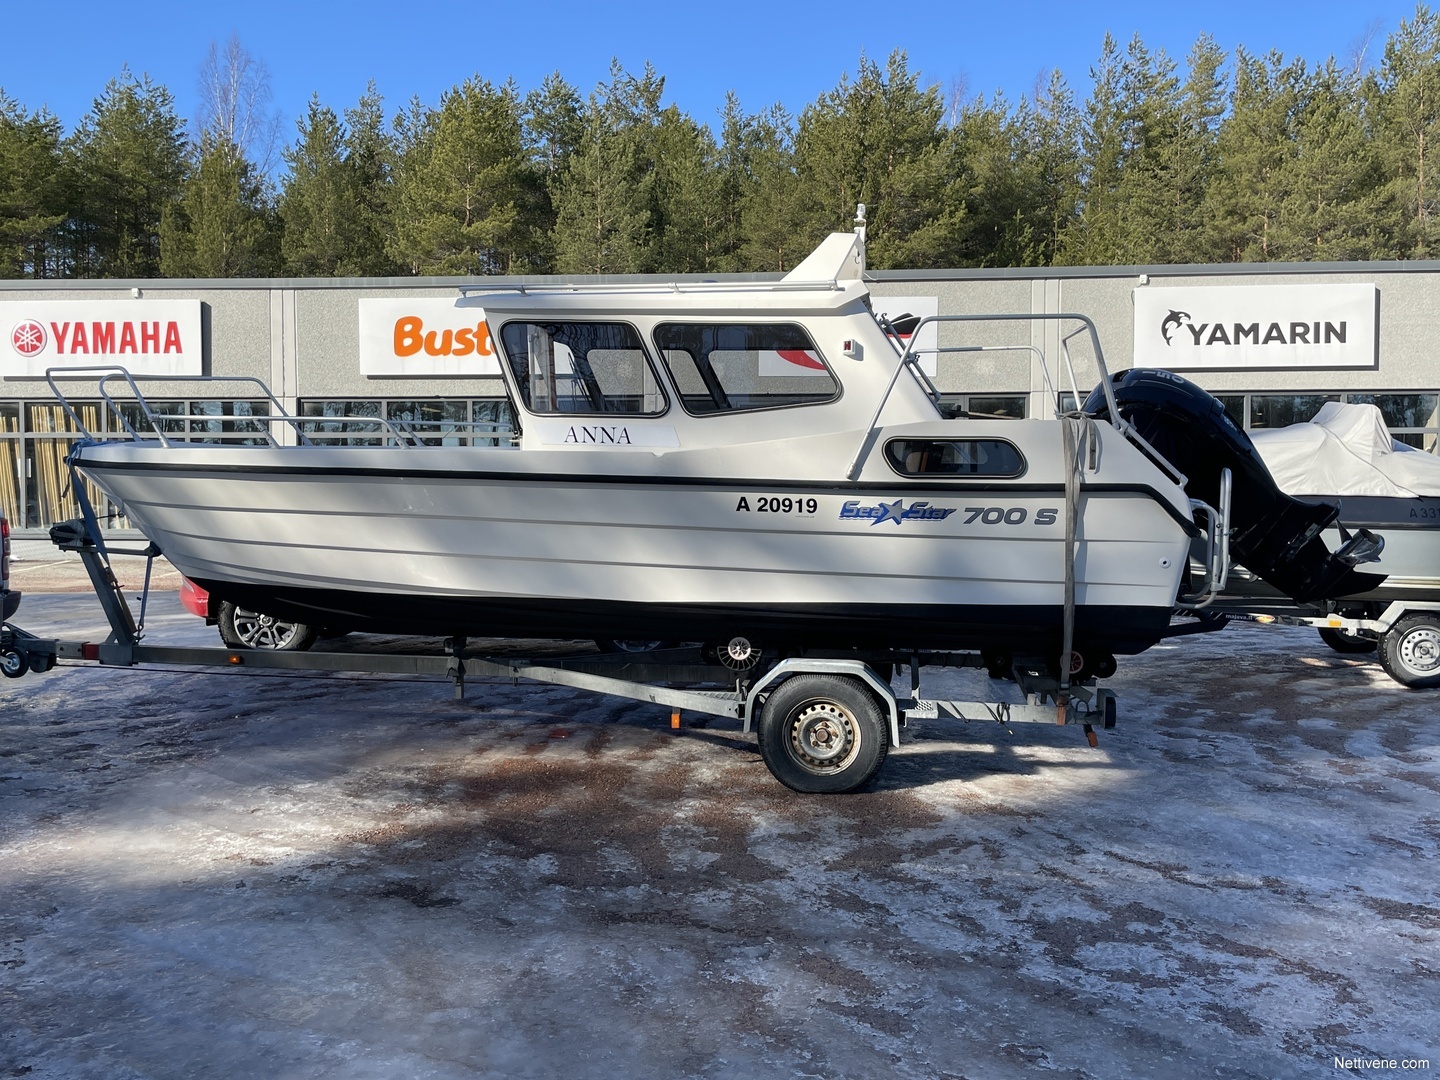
146,337
1257,327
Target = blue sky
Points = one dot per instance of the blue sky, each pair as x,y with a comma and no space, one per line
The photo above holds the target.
61,56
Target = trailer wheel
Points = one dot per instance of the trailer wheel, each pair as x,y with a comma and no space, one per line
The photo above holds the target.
241,628
14,662
1347,641
822,734
1410,651
629,645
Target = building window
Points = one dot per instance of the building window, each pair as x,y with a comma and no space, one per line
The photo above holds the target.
1282,410
994,406
35,439
437,422
1413,418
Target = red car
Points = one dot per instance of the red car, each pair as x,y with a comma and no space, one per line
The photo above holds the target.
244,629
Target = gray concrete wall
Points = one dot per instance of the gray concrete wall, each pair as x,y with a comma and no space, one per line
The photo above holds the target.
301,336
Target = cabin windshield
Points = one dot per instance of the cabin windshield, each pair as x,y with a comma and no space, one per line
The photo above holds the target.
581,367
737,367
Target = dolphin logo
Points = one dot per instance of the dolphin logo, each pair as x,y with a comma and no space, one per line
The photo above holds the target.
1173,322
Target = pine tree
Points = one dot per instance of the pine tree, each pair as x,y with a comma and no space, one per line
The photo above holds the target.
318,198
734,182
33,192
992,209
1180,162
1254,150
334,200
775,216
1333,195
687,201
605,203
130,154
876,141
1408,127
459,185
602,214
554,124
221,227
370,160
1093,236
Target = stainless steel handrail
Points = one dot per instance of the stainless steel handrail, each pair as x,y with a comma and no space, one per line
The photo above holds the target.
909,359
1217,546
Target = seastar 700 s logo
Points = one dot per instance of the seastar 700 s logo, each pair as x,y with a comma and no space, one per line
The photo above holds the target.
896,511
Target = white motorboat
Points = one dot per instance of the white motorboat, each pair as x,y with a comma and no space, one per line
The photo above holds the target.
718,462
1346,456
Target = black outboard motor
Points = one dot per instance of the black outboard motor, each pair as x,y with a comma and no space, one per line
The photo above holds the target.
1275,536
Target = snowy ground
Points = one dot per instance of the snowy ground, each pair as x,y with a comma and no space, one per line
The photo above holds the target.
234,875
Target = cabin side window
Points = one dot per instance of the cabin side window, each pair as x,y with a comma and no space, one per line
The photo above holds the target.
581,367
737,367
955,457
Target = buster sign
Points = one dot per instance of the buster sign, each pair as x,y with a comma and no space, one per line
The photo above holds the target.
1257,326
424,336
146,337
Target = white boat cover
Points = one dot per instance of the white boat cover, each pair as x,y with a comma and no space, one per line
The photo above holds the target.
1347,450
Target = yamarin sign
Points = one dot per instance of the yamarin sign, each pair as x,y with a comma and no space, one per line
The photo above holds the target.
1257,326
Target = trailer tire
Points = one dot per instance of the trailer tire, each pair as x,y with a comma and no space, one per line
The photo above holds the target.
631,645
1347,642
822,734
14,662
241,628
1410,651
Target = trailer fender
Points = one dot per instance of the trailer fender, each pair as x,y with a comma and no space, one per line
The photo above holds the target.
853,668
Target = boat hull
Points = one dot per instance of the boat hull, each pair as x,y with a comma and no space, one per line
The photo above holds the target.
1410,528
1007,629
792,563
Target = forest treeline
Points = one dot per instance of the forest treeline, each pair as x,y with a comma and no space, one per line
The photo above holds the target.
1221,158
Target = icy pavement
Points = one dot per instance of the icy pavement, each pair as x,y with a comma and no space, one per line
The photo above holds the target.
272,876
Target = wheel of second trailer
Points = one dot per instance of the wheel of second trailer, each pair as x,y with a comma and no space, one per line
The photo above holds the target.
823,734
241,628
14,662
631,645
1345,641
1410,651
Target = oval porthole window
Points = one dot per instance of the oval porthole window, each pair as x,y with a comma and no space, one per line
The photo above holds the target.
955,457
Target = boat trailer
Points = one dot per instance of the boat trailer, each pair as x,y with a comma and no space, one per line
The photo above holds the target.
823,722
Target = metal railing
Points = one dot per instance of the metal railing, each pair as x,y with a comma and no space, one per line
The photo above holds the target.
911,354
389,431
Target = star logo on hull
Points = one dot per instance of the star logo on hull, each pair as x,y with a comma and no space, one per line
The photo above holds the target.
889,512
896,511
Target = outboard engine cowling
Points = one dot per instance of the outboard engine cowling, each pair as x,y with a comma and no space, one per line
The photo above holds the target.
1275,536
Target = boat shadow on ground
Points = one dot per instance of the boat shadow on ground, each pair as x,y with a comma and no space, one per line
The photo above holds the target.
945,753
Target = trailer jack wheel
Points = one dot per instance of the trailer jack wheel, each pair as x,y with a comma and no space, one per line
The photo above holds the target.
14,662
